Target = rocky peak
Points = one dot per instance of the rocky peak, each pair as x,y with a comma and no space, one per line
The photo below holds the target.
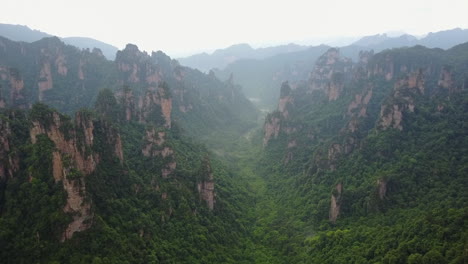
329,74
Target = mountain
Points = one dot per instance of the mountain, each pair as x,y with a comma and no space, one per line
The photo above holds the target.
21,33
373,159
222,57
259,77
96,152
68,79
24,33
108,50
445,39
143,160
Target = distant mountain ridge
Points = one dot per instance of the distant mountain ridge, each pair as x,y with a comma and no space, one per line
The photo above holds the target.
223,57
24,33
260,78
445,39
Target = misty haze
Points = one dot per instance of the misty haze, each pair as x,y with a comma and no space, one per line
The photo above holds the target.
234,132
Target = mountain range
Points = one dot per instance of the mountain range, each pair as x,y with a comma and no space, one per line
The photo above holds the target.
362,157
24,33
260,84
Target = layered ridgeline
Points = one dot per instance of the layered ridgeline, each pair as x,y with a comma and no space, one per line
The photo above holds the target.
368,160
260,77
68,79
121,181
24,33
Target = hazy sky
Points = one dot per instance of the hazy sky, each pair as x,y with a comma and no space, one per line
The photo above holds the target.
180,27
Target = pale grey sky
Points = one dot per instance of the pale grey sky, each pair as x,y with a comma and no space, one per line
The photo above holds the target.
181,27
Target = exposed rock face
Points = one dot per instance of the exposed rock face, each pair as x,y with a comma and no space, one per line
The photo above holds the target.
156,102
335,203
45,80
15,85
382,187
78,206
84,163
385,68
329,73
60,64
446,79
271,128
360,103
118,150
391,114
154,147
127,100
335,87
73,147
206,186
166,106
153,139
9,163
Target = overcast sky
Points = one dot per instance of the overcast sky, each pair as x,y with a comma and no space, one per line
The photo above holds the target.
180,27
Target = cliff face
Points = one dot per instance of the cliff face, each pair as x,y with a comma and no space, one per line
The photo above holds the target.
51,72
71,162
335,203
402,100
9,161
330,73
344,107
155,146
205,186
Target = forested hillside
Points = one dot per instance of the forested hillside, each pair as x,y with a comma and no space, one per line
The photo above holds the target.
368,160
116,172
141,160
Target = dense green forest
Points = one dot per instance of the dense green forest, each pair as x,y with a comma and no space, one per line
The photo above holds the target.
142,160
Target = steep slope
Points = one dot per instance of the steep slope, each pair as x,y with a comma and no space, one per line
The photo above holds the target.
68,187
123,182
68,79
373,158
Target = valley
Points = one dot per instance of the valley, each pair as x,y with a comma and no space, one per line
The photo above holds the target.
351,156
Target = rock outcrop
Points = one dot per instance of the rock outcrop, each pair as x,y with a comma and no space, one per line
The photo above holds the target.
329,74
9,162
155,147
382,188
402,100
271,128
71,143
335,203
205,186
